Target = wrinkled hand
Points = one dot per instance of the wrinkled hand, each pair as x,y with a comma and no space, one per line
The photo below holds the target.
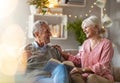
76,70
63,54
58,48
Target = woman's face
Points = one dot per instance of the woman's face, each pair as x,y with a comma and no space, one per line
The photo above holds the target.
90,30
43,36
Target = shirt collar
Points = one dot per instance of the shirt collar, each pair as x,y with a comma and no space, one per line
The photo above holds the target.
37,46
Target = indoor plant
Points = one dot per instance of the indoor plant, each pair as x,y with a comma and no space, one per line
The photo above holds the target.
75,26
39,4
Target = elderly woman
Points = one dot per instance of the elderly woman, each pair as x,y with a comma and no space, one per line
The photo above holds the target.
94,57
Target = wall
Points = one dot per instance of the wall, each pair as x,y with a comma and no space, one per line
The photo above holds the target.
114,30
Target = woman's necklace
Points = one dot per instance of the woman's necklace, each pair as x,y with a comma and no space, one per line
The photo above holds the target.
94,43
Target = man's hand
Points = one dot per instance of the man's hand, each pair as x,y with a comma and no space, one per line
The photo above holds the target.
58,48
63,54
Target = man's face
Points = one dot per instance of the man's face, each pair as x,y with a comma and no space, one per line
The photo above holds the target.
43,36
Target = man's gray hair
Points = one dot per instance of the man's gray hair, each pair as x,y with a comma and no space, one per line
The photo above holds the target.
37,26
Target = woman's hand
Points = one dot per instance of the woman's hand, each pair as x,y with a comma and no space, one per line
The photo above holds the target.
81,70
76,70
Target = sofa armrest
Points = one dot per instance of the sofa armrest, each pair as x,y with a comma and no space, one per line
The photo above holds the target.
116,73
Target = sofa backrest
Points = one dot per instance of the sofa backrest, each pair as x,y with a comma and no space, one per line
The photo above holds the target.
115,62
116,57
116,65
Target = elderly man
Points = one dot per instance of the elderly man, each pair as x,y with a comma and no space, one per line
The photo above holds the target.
38,54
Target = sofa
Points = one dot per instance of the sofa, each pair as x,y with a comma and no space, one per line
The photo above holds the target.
115,63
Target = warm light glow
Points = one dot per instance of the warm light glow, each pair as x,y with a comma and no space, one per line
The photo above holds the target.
92,6
55,35
89,11
55,30
53,3
81,16
104,9
69,15
7,7
75,16
12,39
86,14
94,3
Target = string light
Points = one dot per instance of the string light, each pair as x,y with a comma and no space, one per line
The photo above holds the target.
104,9
89,11
92,6
94,3
75,16
69,15
86,14
80,15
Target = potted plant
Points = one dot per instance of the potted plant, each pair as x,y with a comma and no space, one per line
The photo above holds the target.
40,4
75,26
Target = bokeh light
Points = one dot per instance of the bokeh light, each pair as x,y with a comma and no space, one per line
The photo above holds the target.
12,39
7,7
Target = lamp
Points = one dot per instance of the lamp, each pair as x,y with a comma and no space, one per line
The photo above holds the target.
107,22
101,3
